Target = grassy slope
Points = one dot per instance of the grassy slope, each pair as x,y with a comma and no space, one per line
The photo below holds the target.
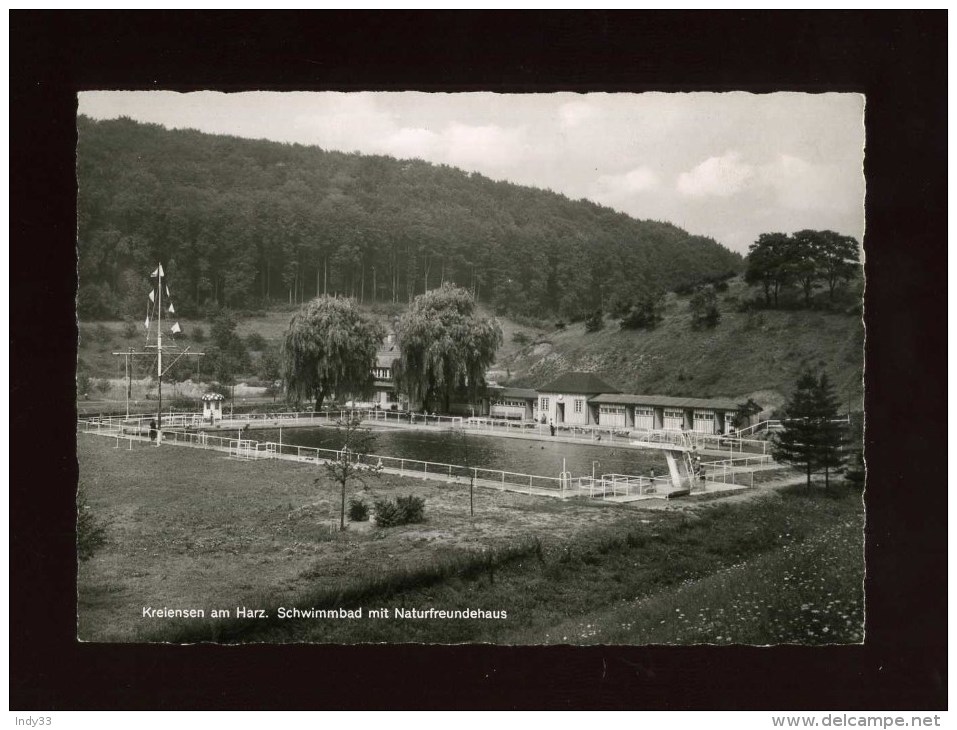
746,354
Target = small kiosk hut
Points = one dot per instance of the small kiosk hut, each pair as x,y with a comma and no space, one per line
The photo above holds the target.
212,407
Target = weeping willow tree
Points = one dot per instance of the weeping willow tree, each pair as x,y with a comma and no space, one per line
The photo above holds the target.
329,347
445,346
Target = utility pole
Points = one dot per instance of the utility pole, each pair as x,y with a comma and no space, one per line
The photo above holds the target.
127,356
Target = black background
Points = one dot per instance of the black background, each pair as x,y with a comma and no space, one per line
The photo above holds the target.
897,59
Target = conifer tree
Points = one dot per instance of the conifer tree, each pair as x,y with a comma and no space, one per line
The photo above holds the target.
832,433
813,437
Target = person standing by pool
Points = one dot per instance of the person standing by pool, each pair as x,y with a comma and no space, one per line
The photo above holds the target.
153,430
551,427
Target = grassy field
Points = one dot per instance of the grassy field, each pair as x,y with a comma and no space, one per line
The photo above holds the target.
190,528
193,529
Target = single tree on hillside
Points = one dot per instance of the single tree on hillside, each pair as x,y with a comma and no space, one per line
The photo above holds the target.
804,252
704,307
766,264
329,347
838,259
813,435
444,345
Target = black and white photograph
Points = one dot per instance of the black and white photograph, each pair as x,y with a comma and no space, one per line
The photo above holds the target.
456,368
478,360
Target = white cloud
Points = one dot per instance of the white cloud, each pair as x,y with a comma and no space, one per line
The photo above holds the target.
801,185
721,176
408,142
613,188
478,147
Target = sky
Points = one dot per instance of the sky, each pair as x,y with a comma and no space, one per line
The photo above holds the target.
725,165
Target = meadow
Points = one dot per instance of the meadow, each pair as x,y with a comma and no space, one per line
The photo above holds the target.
194,529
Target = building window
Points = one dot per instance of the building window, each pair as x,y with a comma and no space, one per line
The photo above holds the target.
544,404
644,412
579,405
703,416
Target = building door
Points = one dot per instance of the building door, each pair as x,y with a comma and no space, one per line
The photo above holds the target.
560,413
704,421
674,420
644,419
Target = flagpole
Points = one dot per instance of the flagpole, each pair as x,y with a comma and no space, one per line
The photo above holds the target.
159,352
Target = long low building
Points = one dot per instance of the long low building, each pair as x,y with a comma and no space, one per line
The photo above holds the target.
585,399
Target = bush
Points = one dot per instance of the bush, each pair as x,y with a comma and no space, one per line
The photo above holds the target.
595,321
645,314
199,334
358,510
704,308
560,324
103,385
521,338
256,342
401,511
129,329
90,532
94,301
184,404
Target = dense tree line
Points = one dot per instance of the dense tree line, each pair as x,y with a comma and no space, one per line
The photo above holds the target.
806,260
242,223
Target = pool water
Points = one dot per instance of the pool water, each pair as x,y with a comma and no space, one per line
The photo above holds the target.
543,458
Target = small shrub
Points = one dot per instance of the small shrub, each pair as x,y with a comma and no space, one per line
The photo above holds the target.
413,508
199,334
358,510
103,385
129,329
704,308
521,338
595,321
401,511
560,325
256,342
645,314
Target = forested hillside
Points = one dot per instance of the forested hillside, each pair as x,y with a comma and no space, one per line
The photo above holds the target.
242,223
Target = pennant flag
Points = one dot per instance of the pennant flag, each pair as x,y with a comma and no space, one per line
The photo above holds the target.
152,294
176,328
155,272
167,291
161,271
147,323
171,310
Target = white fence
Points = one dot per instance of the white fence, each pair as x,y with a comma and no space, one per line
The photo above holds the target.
737,470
